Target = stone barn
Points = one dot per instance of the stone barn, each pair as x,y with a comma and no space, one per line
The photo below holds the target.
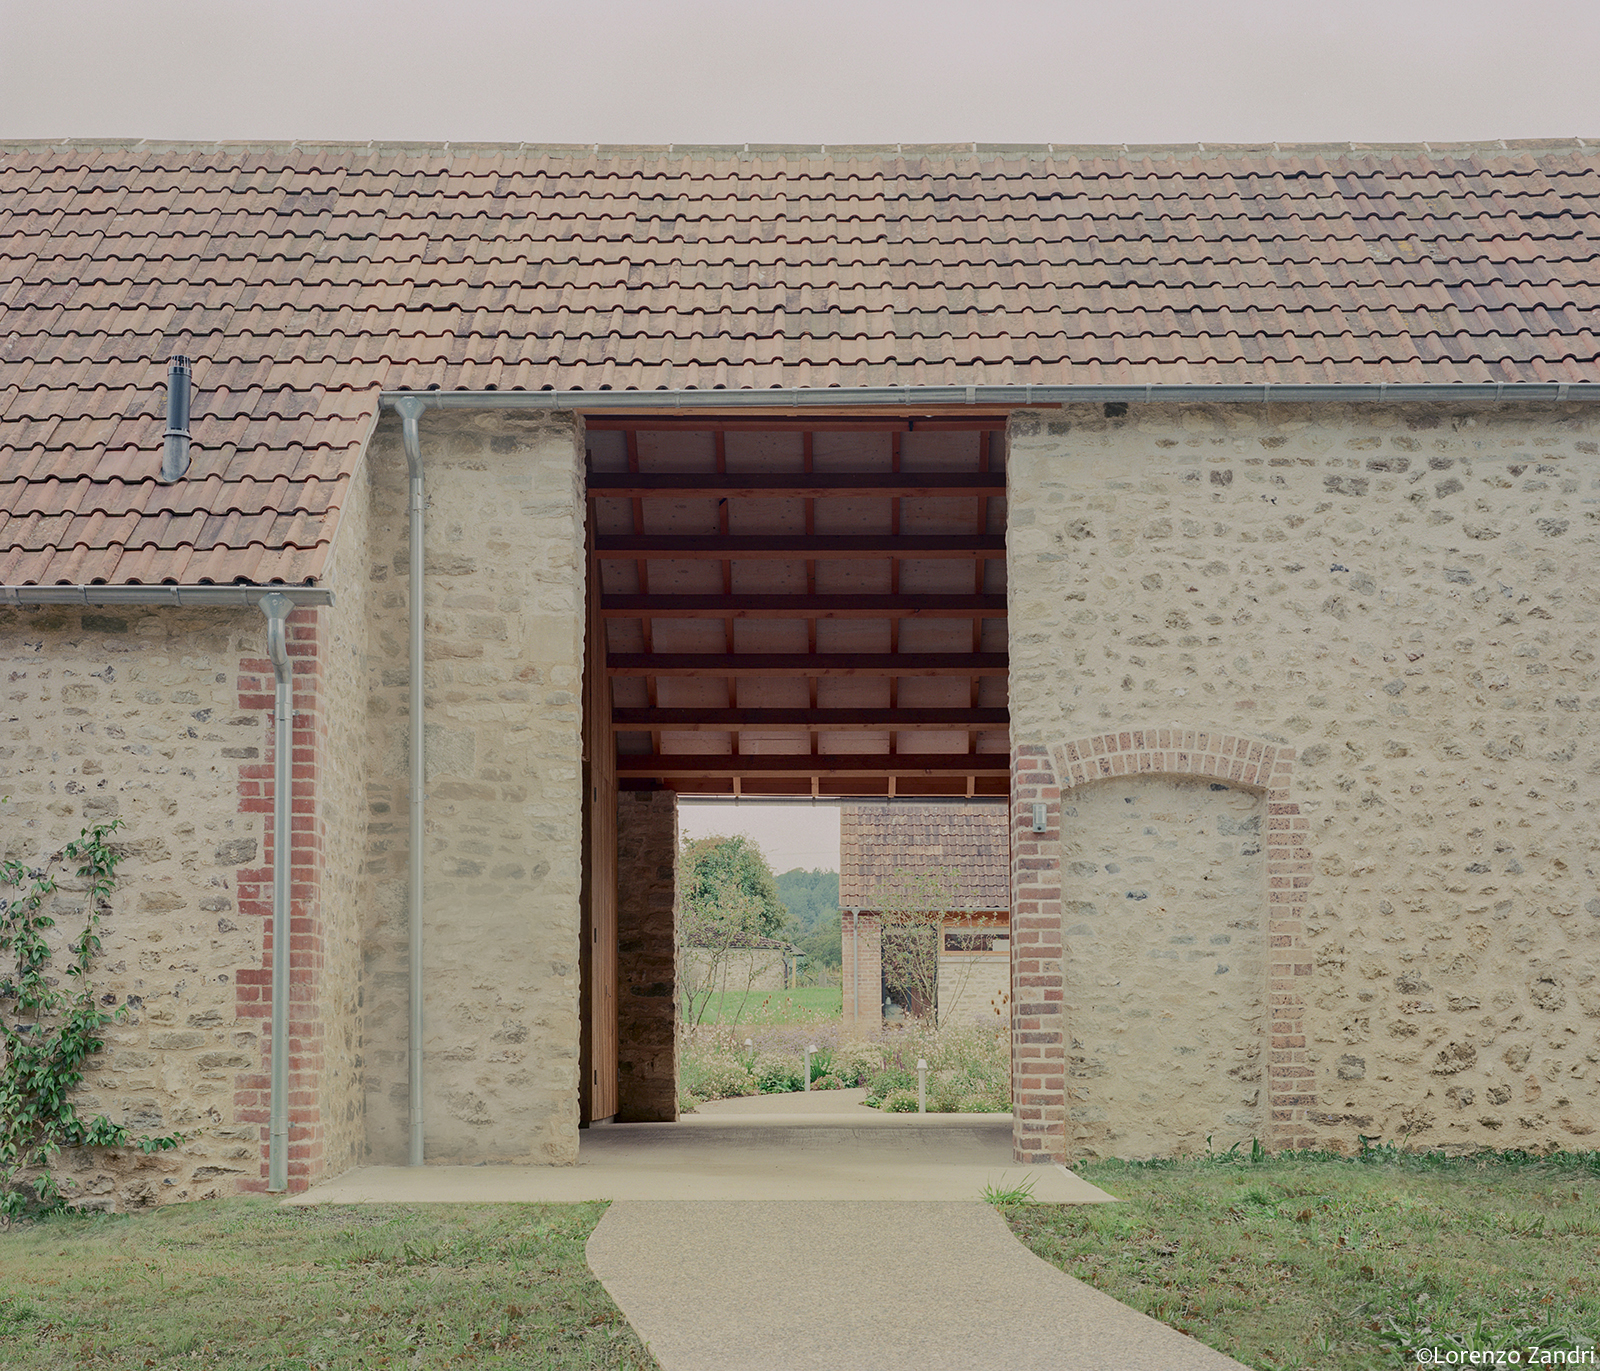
1231,512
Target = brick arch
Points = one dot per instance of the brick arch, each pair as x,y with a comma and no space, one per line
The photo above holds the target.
1041,1102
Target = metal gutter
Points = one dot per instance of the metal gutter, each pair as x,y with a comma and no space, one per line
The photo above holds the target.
185,597
277,608
996,397
410,410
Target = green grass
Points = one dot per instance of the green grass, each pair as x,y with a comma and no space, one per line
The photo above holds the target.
1341,1264
762,1008
247,1284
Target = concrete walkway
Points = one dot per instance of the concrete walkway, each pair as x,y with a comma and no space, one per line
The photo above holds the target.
792,1232
864,1286
819,1146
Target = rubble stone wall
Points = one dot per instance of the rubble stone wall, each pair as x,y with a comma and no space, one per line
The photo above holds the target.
504,599
647,957
134,714
1401,599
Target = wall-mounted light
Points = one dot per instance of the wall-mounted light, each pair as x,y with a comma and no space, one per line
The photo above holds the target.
175,456
1038,816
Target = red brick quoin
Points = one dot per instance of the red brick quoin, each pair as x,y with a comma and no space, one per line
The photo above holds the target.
308,740
1038,1031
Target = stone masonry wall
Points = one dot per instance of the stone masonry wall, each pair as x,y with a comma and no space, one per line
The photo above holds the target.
342,829
504,600
134,714
647,952
1400,600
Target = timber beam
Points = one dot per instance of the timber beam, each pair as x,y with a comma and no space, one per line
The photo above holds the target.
692,766
624,485
954,719
806,664
791,547
864,423
803,606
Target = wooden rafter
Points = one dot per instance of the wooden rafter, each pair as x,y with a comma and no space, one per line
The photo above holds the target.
806,764
668,423
804,606
628,485
802,664
799,728
789,547
686,719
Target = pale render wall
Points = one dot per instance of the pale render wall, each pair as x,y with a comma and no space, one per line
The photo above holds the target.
505,611
736,970
974,987
1165,929
134,714
1406,596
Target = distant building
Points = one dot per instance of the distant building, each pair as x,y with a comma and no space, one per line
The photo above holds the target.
961,852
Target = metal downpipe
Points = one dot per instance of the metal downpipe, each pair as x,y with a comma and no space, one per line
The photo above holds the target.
276,608
410,410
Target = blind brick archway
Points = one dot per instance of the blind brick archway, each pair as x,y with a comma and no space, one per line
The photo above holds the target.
1046,1124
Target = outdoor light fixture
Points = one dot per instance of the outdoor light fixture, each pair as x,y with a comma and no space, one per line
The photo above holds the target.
175,457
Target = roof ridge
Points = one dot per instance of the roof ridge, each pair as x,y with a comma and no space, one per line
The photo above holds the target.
822,151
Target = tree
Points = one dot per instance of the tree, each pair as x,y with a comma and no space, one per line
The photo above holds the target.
823,945
711,870
727,901
811,897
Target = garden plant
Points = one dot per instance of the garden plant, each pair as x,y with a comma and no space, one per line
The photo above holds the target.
48,1029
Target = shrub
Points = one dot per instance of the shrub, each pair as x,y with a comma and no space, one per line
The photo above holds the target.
775,1075
900,1102
888,1080
717,1077
855,1063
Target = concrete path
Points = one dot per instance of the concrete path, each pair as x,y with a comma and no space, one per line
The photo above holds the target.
771,1148
863,1286
792,1232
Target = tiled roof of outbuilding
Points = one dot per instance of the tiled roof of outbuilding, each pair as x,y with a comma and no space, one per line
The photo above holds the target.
304,279
879,841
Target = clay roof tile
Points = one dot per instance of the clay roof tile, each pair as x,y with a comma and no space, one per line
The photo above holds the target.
304,280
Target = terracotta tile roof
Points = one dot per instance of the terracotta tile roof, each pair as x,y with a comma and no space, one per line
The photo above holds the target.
877,841
304,279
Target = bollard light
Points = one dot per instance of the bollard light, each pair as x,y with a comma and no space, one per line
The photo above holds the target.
922,1086
809,1052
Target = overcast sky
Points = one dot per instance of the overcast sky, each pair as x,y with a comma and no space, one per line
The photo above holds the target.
857,71
675,71
789,835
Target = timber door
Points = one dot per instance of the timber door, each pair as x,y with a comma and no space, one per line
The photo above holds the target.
597,1094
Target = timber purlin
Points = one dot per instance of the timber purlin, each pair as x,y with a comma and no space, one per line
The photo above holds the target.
790,664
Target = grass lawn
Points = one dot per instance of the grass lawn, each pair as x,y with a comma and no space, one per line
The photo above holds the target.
1342,1265
762,1008
246,1284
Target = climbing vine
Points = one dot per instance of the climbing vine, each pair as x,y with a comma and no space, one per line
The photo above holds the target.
48,1029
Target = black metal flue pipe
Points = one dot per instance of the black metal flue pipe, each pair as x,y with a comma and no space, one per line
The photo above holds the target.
175,456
